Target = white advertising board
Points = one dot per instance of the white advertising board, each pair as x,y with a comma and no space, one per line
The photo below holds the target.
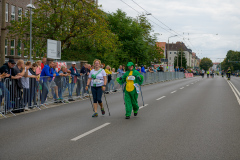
53,49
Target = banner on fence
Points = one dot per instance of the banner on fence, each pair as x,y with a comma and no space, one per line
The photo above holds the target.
188,75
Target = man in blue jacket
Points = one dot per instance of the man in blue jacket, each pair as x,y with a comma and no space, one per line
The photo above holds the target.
46,74
74,74
143,69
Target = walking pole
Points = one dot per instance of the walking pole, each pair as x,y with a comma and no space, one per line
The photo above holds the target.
91,101
106,103
141,94
123,94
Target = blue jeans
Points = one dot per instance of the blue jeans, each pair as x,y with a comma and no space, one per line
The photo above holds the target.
5,93
111,85
26,97
70,88
44,92
61,91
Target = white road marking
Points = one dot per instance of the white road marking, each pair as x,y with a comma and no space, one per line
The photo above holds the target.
161,98
234,88
192,83
143,106
89,132
187,85
182,88
234,92
173,91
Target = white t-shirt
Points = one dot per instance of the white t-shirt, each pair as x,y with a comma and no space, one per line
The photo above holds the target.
99,81
25,80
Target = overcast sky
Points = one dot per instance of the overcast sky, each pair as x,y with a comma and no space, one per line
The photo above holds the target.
202,19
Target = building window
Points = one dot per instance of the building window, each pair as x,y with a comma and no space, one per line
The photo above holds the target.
170,53
12,47
175,52
25,50
26,13
19,47
13,13
6,47
19,14
6,15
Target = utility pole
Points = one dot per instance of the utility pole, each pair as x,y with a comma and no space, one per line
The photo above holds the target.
181,54
30,58
168,49
177,58
3,33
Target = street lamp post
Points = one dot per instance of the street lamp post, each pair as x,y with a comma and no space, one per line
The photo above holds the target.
168,48
31,6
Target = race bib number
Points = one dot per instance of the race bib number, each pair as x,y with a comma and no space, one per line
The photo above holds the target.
97,81
131,78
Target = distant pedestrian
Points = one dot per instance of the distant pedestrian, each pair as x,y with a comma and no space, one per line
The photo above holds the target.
208,74
229,72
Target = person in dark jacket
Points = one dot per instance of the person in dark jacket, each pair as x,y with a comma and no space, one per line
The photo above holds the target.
6,72
84,73
74,75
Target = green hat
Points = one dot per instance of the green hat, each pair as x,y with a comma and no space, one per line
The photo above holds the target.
130,64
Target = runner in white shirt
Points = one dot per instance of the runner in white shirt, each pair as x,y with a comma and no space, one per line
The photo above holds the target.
98,80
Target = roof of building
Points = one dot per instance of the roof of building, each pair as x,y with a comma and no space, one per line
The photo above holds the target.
177,46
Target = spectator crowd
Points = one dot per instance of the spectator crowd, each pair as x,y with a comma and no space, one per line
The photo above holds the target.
20,82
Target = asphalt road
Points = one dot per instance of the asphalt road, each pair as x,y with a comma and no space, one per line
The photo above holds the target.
187,119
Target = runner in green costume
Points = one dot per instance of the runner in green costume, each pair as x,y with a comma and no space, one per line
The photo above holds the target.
131,77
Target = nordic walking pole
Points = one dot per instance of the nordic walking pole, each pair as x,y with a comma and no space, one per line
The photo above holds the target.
91,100
141,93
107,104
123,94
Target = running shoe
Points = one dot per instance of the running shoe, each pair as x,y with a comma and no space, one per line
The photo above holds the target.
95,114
135,114
102,110
127,117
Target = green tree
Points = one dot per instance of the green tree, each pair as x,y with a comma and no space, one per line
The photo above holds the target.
231,56
182,61
206,63
79,24
137,44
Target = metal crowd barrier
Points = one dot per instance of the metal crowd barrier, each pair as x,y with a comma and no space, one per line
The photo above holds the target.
60,89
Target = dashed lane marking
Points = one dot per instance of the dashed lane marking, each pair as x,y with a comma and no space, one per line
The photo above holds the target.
143,106
173,91
182,88
161,98
187,85
89,132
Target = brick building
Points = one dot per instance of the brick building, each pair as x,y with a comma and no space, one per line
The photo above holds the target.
11,10
162,45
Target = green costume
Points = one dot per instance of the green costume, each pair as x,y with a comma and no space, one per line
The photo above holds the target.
131,95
